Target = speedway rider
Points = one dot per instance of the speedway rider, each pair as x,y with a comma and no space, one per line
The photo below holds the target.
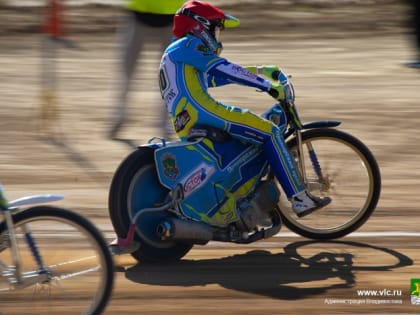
191,64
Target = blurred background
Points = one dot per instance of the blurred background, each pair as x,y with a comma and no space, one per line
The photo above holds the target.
350,60
347,58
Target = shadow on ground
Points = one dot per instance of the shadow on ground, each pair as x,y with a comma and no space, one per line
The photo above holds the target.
287,275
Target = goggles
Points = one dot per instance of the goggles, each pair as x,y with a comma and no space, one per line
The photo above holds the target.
228,21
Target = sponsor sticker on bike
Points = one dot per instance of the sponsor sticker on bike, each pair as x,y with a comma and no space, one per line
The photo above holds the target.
169,166
197,177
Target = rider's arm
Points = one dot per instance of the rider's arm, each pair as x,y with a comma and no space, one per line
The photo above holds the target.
268,71
227,72
219,71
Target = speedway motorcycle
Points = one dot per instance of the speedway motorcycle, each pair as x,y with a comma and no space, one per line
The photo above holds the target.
166,197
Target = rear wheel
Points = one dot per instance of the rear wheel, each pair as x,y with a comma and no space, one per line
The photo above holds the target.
339,166
135,187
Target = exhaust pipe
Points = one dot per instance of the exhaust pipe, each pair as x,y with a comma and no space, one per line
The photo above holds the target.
177,229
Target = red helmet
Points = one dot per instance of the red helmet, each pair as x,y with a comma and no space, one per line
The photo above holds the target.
196,16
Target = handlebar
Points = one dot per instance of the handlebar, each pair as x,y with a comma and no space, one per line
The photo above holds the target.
288,104
280,76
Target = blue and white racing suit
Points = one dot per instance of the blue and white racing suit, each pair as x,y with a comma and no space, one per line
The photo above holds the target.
187,70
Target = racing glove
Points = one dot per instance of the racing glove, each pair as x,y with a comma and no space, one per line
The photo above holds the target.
277,92
270,72
283,91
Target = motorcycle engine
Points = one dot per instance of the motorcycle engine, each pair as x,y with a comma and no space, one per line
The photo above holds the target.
255,210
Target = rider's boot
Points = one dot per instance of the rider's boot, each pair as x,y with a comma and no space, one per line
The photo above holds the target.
303,203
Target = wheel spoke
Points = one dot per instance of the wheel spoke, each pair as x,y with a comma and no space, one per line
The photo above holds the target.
341,167
77,271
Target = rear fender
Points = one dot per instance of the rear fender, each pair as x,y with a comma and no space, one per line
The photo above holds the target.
34,199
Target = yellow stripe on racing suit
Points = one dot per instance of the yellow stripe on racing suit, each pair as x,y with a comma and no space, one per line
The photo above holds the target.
187,70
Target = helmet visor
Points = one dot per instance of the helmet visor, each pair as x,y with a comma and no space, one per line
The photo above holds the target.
230,21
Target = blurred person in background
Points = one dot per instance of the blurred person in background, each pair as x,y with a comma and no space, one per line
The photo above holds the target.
54,36
192,63
415,25
52,29
143,22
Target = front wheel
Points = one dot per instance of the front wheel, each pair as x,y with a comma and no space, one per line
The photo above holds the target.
65,264
340,166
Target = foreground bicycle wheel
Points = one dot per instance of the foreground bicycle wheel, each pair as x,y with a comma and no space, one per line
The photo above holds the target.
339,166
78,276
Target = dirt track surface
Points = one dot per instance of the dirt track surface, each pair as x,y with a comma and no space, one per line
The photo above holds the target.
347,64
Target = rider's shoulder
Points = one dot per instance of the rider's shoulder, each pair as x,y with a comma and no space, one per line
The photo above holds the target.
188,42
183,43
188,47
